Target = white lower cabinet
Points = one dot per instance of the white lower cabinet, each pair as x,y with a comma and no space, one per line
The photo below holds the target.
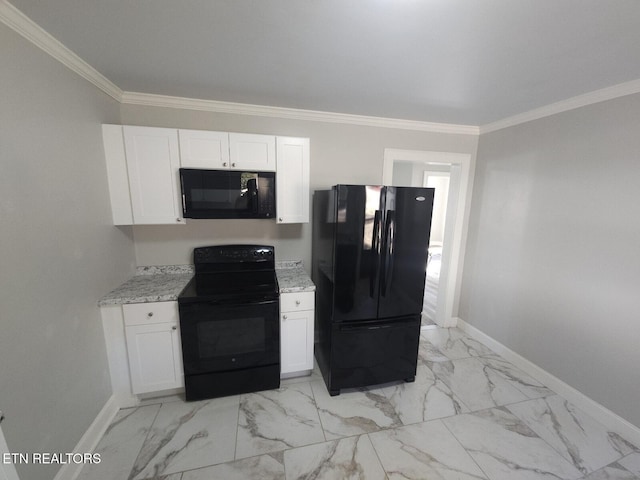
296,333
152,332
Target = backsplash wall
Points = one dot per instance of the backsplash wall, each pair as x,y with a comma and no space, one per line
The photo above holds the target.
174,244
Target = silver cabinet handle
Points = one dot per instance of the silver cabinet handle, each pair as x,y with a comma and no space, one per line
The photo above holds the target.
150,314
284,317
279,219
224,164
174,328
297,302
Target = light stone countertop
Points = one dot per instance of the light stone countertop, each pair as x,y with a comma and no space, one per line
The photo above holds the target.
164,283
151,284
293,278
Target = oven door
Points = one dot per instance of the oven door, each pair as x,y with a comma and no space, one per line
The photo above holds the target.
218,337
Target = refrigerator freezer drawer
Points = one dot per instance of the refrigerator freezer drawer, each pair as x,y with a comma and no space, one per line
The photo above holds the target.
373,353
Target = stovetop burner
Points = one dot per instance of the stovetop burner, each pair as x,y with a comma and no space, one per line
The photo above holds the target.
231,286
232,273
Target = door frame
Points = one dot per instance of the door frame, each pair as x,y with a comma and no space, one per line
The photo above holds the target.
7,470
460,185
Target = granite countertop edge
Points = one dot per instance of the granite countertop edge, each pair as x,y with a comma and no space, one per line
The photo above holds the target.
163,283
293,278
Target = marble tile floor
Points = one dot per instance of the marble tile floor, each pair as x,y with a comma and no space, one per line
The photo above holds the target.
469,415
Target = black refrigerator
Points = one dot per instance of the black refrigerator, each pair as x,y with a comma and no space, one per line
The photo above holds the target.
369,257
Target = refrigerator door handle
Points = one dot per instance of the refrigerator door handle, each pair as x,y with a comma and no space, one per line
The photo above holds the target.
360,328
375,252
389,239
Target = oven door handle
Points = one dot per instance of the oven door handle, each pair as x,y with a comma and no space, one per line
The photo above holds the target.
235,302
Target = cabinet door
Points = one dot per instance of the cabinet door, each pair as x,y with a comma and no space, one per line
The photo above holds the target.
155,357
117,175
296,341
292,187
252,152
202,149
152,164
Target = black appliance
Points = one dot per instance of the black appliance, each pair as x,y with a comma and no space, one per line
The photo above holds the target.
227,193
369,262
229,322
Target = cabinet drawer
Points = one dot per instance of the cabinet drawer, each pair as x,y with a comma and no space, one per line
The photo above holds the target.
147,313
292,302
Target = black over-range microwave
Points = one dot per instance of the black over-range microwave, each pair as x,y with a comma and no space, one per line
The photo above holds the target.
227,193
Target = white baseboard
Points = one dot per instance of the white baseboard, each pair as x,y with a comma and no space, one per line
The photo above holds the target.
610,420
90,439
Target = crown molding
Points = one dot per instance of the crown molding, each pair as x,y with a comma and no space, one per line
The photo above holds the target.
23,25
146,99
597,96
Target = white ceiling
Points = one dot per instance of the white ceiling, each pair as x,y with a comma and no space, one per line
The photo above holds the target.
468,62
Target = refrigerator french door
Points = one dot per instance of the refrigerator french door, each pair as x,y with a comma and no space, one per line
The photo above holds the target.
381,242
369,254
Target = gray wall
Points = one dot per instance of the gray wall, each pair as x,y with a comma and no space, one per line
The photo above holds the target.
59,252
552,265
339,154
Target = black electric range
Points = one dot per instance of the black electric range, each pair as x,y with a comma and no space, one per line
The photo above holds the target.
229,322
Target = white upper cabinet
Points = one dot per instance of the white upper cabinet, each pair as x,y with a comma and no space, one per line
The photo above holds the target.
117,174
292,183
203,149
252,152
222,150
143,169
153,162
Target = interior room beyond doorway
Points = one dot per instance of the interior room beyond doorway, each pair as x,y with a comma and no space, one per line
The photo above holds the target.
446,249
419,174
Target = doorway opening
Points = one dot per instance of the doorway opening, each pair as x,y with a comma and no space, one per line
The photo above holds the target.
449,174
439,180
